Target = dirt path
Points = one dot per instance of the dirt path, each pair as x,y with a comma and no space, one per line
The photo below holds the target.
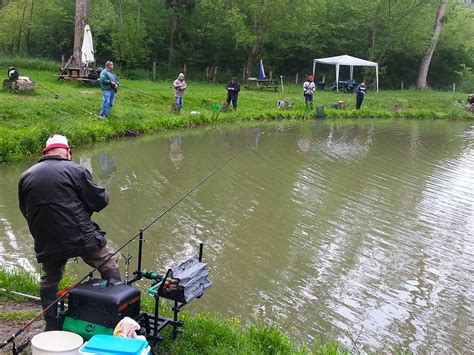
9,326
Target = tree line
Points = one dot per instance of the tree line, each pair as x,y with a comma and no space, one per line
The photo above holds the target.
235,34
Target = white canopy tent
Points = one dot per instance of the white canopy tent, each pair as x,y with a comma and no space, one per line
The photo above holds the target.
348,61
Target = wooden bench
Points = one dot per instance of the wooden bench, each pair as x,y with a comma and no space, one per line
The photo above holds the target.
261,84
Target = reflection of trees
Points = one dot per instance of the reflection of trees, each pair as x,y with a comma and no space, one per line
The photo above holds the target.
360,230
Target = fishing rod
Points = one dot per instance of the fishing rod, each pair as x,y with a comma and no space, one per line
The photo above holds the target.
63,293
56,96
139,92
35,298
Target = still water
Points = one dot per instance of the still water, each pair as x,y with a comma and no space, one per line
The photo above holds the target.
360,232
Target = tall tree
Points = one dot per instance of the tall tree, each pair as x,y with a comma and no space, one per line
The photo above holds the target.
426,60
82,7
179,9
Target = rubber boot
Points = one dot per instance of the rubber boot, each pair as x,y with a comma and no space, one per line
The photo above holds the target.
51,315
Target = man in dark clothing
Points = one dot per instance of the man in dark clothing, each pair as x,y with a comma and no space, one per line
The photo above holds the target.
233,88
361,89
57,198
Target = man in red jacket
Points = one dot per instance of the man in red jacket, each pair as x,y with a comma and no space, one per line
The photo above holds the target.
57,198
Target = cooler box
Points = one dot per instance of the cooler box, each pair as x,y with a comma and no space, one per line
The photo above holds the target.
108,344
95,309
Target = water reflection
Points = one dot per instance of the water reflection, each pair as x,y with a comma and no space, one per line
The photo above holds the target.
360,232
176,154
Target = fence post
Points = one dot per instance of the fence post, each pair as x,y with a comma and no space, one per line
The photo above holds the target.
207,73
271,73
154,71
454,87
215,73
184,69
402,85
62,60
296,80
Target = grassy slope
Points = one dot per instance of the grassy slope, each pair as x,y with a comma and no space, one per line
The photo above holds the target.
27,120
202,333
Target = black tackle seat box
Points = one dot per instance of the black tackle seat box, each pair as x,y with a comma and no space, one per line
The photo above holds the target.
93,302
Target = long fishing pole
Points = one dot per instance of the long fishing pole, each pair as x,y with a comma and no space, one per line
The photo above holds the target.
173,205
139,92
56,96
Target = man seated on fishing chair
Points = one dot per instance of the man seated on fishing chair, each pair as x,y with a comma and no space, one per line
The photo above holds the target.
57,198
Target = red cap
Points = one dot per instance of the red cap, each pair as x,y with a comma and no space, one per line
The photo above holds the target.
56,141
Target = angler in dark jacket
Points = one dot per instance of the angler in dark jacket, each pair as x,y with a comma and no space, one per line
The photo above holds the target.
361,89
57,198
233,88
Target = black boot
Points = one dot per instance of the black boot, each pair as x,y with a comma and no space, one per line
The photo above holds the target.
51,315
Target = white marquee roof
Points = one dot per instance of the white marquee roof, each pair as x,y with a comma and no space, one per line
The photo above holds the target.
346,60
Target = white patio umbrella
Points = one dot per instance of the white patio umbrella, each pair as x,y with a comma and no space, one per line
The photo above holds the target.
87,51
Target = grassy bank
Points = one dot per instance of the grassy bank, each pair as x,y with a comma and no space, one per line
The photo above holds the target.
202,333
144,106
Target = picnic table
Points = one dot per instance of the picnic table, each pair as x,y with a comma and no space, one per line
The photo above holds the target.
261,84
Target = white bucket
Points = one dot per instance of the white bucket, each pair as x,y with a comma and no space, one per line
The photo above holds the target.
56,343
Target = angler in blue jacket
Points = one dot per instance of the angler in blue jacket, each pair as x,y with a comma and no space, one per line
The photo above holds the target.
361,89
109,84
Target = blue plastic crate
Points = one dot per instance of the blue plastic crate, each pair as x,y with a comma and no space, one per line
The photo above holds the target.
108,344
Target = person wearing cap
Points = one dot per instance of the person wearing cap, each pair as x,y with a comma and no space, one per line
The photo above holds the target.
109,84
179,85
308,91
233,88
57,197
361,89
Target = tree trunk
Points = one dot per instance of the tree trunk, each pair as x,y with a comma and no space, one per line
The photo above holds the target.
174,33
22,23
28,32
426,60
80,21
250,54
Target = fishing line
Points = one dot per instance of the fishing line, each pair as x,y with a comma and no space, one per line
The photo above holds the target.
139,92
63,293
56,96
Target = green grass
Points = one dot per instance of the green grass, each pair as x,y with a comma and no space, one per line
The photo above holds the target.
27,120
18,316
203,333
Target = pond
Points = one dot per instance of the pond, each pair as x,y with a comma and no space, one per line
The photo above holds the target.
356,231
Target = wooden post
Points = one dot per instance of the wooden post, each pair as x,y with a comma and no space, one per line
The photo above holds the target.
324,79
402,85
454,87
271,73
154,71
184,68
207,73
62,60
296,80
215,73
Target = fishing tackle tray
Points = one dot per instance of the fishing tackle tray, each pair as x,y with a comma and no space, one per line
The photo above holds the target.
96,303
184,282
